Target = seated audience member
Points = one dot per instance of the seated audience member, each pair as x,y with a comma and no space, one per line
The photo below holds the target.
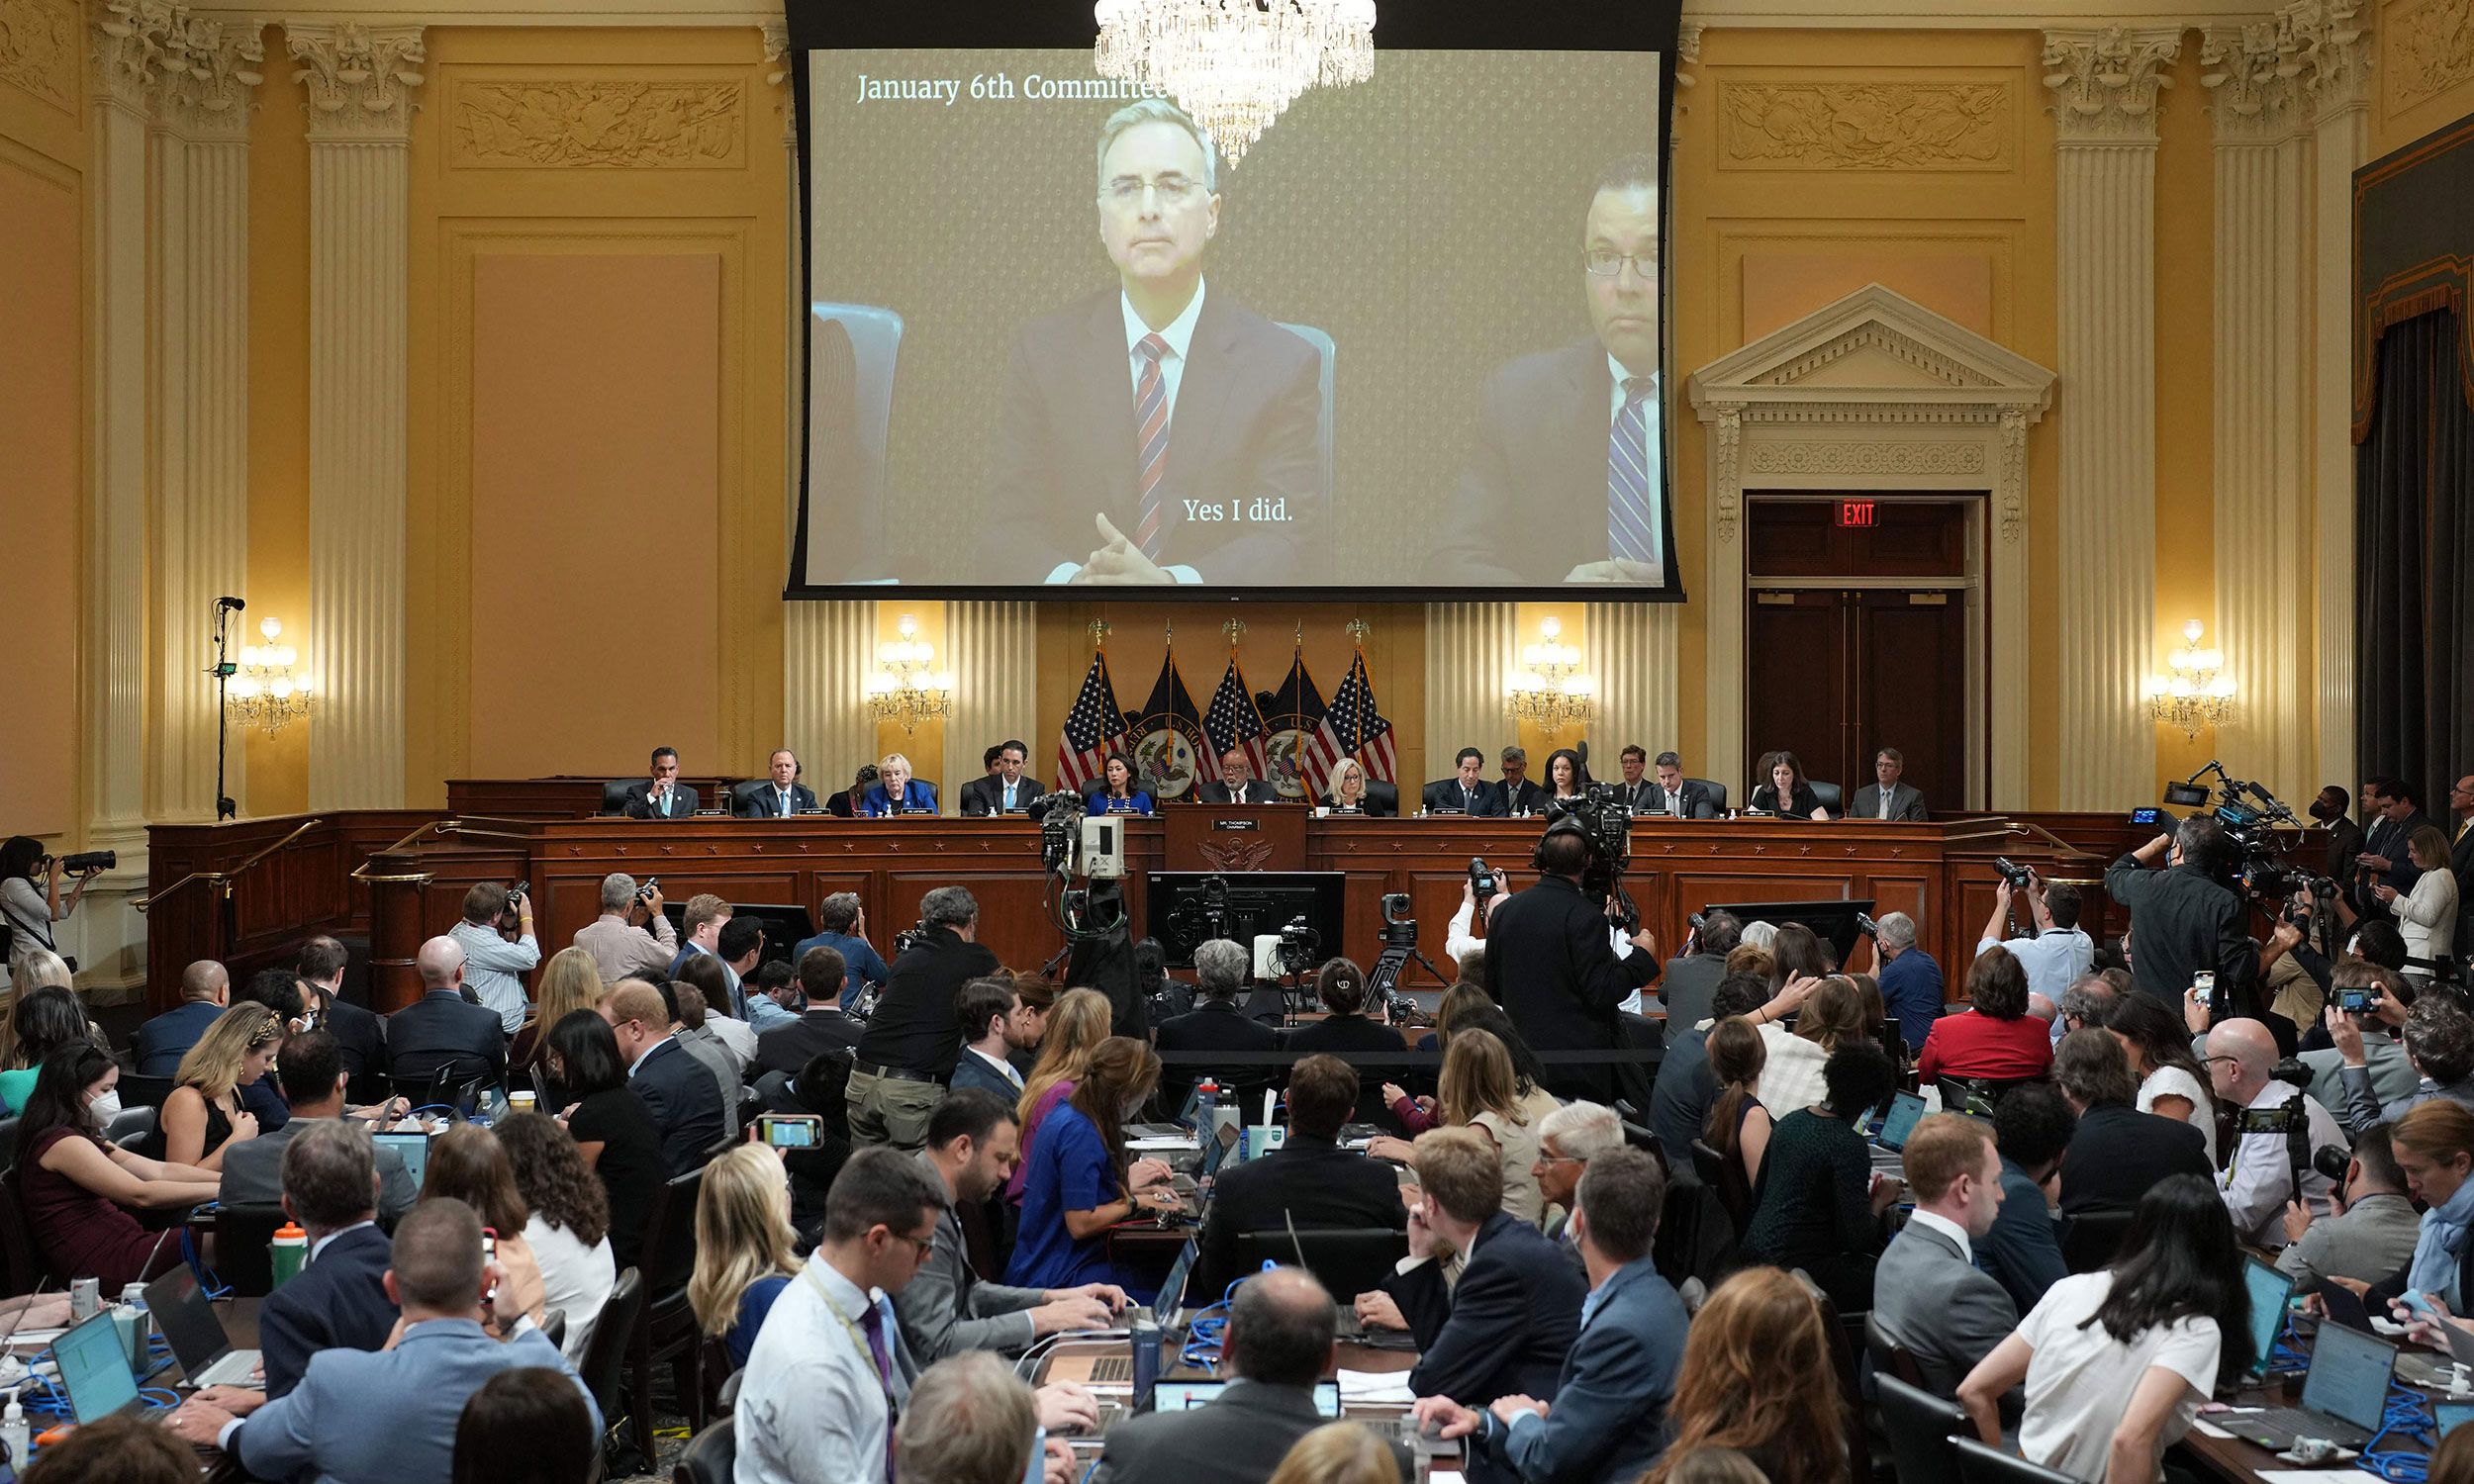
690,1025
2022,1249
1911,978
681,1093
821,1027
127,1448
700,936
491,962
340,1299
360,1037
202,1115
1681,1098
2089,1001
740,946
1479,1090
1609,1407
1751,1364
2117,1362
773,997
1339,1453
78,1189
204,988
991,1018
842,926
2259,1178
1811,1209
2381,1028
1215,1023
1506,1327
391,1415
745,1254
1831,1019
2434,1148
1345,1029
2439,1046
2371,1238
467,1163
2116,1153
526,1425
1078,1180
312,1076
1077,1026
613,1131
1038,997
1310,1181
732,1041
1738,1123
972,1421
568,1228
1996,1040
896,792
1692,978
569,983
632,938
2170,1082
973,1142
1280,1344
41,1022
441,1030
1568,1140
1927,1293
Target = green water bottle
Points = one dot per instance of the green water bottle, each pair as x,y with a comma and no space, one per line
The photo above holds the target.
291,1251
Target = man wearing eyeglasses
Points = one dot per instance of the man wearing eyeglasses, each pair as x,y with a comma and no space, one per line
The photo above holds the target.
1565,484
1158,431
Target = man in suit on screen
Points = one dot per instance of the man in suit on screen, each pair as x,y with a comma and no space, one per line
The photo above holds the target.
1566,483
1158,431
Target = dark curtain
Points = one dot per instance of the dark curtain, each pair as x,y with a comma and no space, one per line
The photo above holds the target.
2413,554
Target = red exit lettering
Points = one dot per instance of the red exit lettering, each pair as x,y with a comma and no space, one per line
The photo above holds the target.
1856,513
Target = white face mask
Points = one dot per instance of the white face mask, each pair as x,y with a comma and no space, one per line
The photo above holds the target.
103,1107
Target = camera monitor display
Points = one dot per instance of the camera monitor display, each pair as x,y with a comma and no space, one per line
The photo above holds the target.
1185,908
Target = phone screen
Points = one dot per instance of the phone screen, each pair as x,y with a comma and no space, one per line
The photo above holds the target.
790,1132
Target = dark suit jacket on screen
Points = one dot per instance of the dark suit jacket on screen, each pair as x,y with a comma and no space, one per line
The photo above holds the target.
1905,802
640,804
1245,427
1257,792
1504,1328
1446,794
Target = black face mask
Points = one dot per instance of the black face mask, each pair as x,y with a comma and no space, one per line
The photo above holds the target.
2320,809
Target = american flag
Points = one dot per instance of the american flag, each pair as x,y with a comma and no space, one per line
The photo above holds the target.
1353,728
1095,728
1234,721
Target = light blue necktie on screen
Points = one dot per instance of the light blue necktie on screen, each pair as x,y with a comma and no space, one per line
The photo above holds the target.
1631,535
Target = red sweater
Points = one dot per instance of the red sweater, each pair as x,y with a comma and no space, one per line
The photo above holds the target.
1975,1045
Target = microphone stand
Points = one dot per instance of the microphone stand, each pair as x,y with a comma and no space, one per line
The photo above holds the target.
223,671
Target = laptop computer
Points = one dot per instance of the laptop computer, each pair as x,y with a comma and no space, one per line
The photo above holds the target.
2270,1291
94,1371
1185,1396
412,1146
1115,1372
1906,1108
2343,1396
196,1334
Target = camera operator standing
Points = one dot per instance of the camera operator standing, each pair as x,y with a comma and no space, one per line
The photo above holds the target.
30,908
1552,966
907,1051
2188,920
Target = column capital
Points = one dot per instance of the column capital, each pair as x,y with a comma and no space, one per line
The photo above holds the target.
2333,47
131,52
360,79
212,73
2252,77
2105,82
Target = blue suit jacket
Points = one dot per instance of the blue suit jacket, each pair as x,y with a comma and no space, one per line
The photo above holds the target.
339,1302
685,1101
164,1040
970,1072
388,1416
915,796
1608,1419
1141,803
1504,1328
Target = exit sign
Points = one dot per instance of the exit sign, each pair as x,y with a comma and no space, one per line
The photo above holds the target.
1856,513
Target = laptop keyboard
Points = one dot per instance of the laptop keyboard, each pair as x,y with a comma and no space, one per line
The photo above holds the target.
2279,1427
1118,1369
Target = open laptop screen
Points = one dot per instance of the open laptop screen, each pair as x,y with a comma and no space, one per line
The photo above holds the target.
2269,1292
2348,1377
1905,1109
94,1369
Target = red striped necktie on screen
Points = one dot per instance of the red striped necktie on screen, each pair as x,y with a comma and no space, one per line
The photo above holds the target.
1151,422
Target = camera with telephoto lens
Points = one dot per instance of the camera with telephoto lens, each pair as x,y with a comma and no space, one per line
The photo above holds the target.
1399,929
1866,926
1483,884
2012,872
1301,946
89,861
2330,1160
910,937
647,888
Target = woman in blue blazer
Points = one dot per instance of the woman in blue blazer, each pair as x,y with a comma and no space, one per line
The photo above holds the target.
896,792
1118,794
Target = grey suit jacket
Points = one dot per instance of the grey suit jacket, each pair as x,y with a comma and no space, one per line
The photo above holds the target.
1608,1416
946,1310
1686,988
1905,803
1239,1438
1932,1301
254,1173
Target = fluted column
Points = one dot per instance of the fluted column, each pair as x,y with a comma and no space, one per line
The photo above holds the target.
1469,651
201,391
1629,648
827,649
2105,85
361,81
992,650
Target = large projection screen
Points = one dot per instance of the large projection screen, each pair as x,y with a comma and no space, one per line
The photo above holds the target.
1412,344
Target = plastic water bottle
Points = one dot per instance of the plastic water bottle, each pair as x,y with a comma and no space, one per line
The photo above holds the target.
13,1436
291,1251
1146,1345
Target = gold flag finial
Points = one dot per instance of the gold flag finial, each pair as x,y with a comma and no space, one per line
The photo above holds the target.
1359,628
1233,628
1101,628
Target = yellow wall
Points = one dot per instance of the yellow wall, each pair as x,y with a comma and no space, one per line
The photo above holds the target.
2185,394
278,767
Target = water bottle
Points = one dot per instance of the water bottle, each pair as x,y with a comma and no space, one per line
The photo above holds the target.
1146,1358
290,1252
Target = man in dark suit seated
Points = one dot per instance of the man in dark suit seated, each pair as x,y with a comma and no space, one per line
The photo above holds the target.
1566,483
780,798
1886,797
1504,1329
1606,1419
442,1028
1307,1182
678,1089
991,1024
662,795
205,992
1464,793
340,1300
2117,1154
1669,792
1216,1023
359,1035
820,1027
1237,782
1516,791
1280,1346
1006,789
1926,1291
1157,418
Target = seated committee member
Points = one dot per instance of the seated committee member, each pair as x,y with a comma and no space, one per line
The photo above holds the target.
845,804
1116,793
1566,483
1783,792
1310,1181
1464,793
1006,790
1349,793
1566,778
896,792
784,796
1519,792
1237,782
1886,797
340,1299
1156,430
662,795
1674,794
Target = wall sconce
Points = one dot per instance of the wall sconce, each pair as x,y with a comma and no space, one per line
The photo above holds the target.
266,693
904,688
1551,691
2196,695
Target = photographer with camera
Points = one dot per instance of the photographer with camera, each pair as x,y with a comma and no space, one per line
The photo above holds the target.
2188,920
914,1037
2374,1231
2054,952
1551,968
29,896
2260,1180
2438,1041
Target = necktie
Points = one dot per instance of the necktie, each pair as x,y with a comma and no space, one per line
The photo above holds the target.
1630,534
1469,801
1009,798
1885,803
786,803
665,807
1151,439
873,1324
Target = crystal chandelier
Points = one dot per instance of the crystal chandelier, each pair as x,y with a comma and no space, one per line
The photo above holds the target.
903,688
1552,693
1235,64
267,693
2195,695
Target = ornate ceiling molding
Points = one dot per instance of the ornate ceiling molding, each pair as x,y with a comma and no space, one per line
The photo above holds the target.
2105,82
360,79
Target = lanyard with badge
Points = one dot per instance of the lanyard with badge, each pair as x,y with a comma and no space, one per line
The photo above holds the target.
858,1337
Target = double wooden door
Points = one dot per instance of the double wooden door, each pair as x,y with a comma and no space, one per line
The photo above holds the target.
1836,674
